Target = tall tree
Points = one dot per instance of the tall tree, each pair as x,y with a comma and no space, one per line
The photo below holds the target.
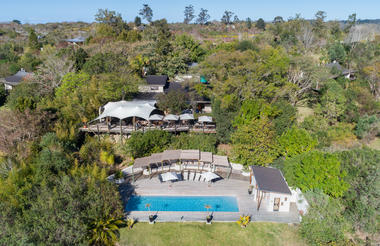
278,19
255,143
203,17
319,23
249,23
79,57
260,24
236,19
112,19
137,21
33,40
350,22
227,17
146,12
189,14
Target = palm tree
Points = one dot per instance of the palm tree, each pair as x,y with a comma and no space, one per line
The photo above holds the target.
105,231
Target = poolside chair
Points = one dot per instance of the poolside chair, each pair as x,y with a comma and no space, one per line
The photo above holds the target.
160,178
191,176
186,175
197,176
180,177
200,177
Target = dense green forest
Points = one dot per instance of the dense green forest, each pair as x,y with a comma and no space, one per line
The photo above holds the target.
278,99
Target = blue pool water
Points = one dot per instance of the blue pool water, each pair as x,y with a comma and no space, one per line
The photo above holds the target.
183,203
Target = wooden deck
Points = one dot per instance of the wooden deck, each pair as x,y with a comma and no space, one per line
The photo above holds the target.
126,130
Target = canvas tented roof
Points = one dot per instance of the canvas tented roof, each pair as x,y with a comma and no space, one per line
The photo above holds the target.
126,109
186,117
172,117
156,117
205,119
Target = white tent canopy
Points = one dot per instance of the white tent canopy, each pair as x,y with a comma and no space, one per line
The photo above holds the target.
126,109
186,117
205,119
156,117
169,176
171,117
210,176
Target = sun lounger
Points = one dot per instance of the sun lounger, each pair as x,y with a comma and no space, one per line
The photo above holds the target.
191,176
180,177
160,178
197,176
186,175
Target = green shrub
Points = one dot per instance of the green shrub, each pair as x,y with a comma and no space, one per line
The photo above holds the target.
316,170
367,126
144,144
323,224
296,141
203,142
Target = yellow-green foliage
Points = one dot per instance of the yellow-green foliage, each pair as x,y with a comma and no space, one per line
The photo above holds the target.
93,172
106,157
97,151
130,223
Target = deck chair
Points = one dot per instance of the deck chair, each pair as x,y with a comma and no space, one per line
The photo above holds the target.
186,175
160,178
191,176
197,175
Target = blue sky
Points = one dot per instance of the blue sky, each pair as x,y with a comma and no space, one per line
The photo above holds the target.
41,11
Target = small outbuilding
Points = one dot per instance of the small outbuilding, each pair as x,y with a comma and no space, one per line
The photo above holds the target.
154,84
11,81
270,189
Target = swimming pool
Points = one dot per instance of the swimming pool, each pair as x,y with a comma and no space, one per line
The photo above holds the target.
183,203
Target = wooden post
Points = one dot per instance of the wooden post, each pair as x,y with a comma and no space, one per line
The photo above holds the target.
121,133
259,199
229,174
97,126
134,123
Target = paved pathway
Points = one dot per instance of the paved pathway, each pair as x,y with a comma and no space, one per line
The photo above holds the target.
231,187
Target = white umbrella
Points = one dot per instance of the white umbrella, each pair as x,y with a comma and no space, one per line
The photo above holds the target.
156,117
171,117
210,176
204,118
186,117
169,176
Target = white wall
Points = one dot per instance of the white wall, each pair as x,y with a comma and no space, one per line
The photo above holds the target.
267,201
151,88
8,87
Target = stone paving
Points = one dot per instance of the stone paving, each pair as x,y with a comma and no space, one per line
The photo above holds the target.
231,187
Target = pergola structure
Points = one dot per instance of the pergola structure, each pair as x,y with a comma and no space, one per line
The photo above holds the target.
169,157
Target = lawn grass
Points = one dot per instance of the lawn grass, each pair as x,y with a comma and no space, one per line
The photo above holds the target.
258,233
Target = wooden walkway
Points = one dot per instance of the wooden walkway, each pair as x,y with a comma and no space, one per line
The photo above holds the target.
126,130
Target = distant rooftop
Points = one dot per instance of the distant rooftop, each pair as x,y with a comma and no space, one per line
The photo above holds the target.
157,79
17,78
76,40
